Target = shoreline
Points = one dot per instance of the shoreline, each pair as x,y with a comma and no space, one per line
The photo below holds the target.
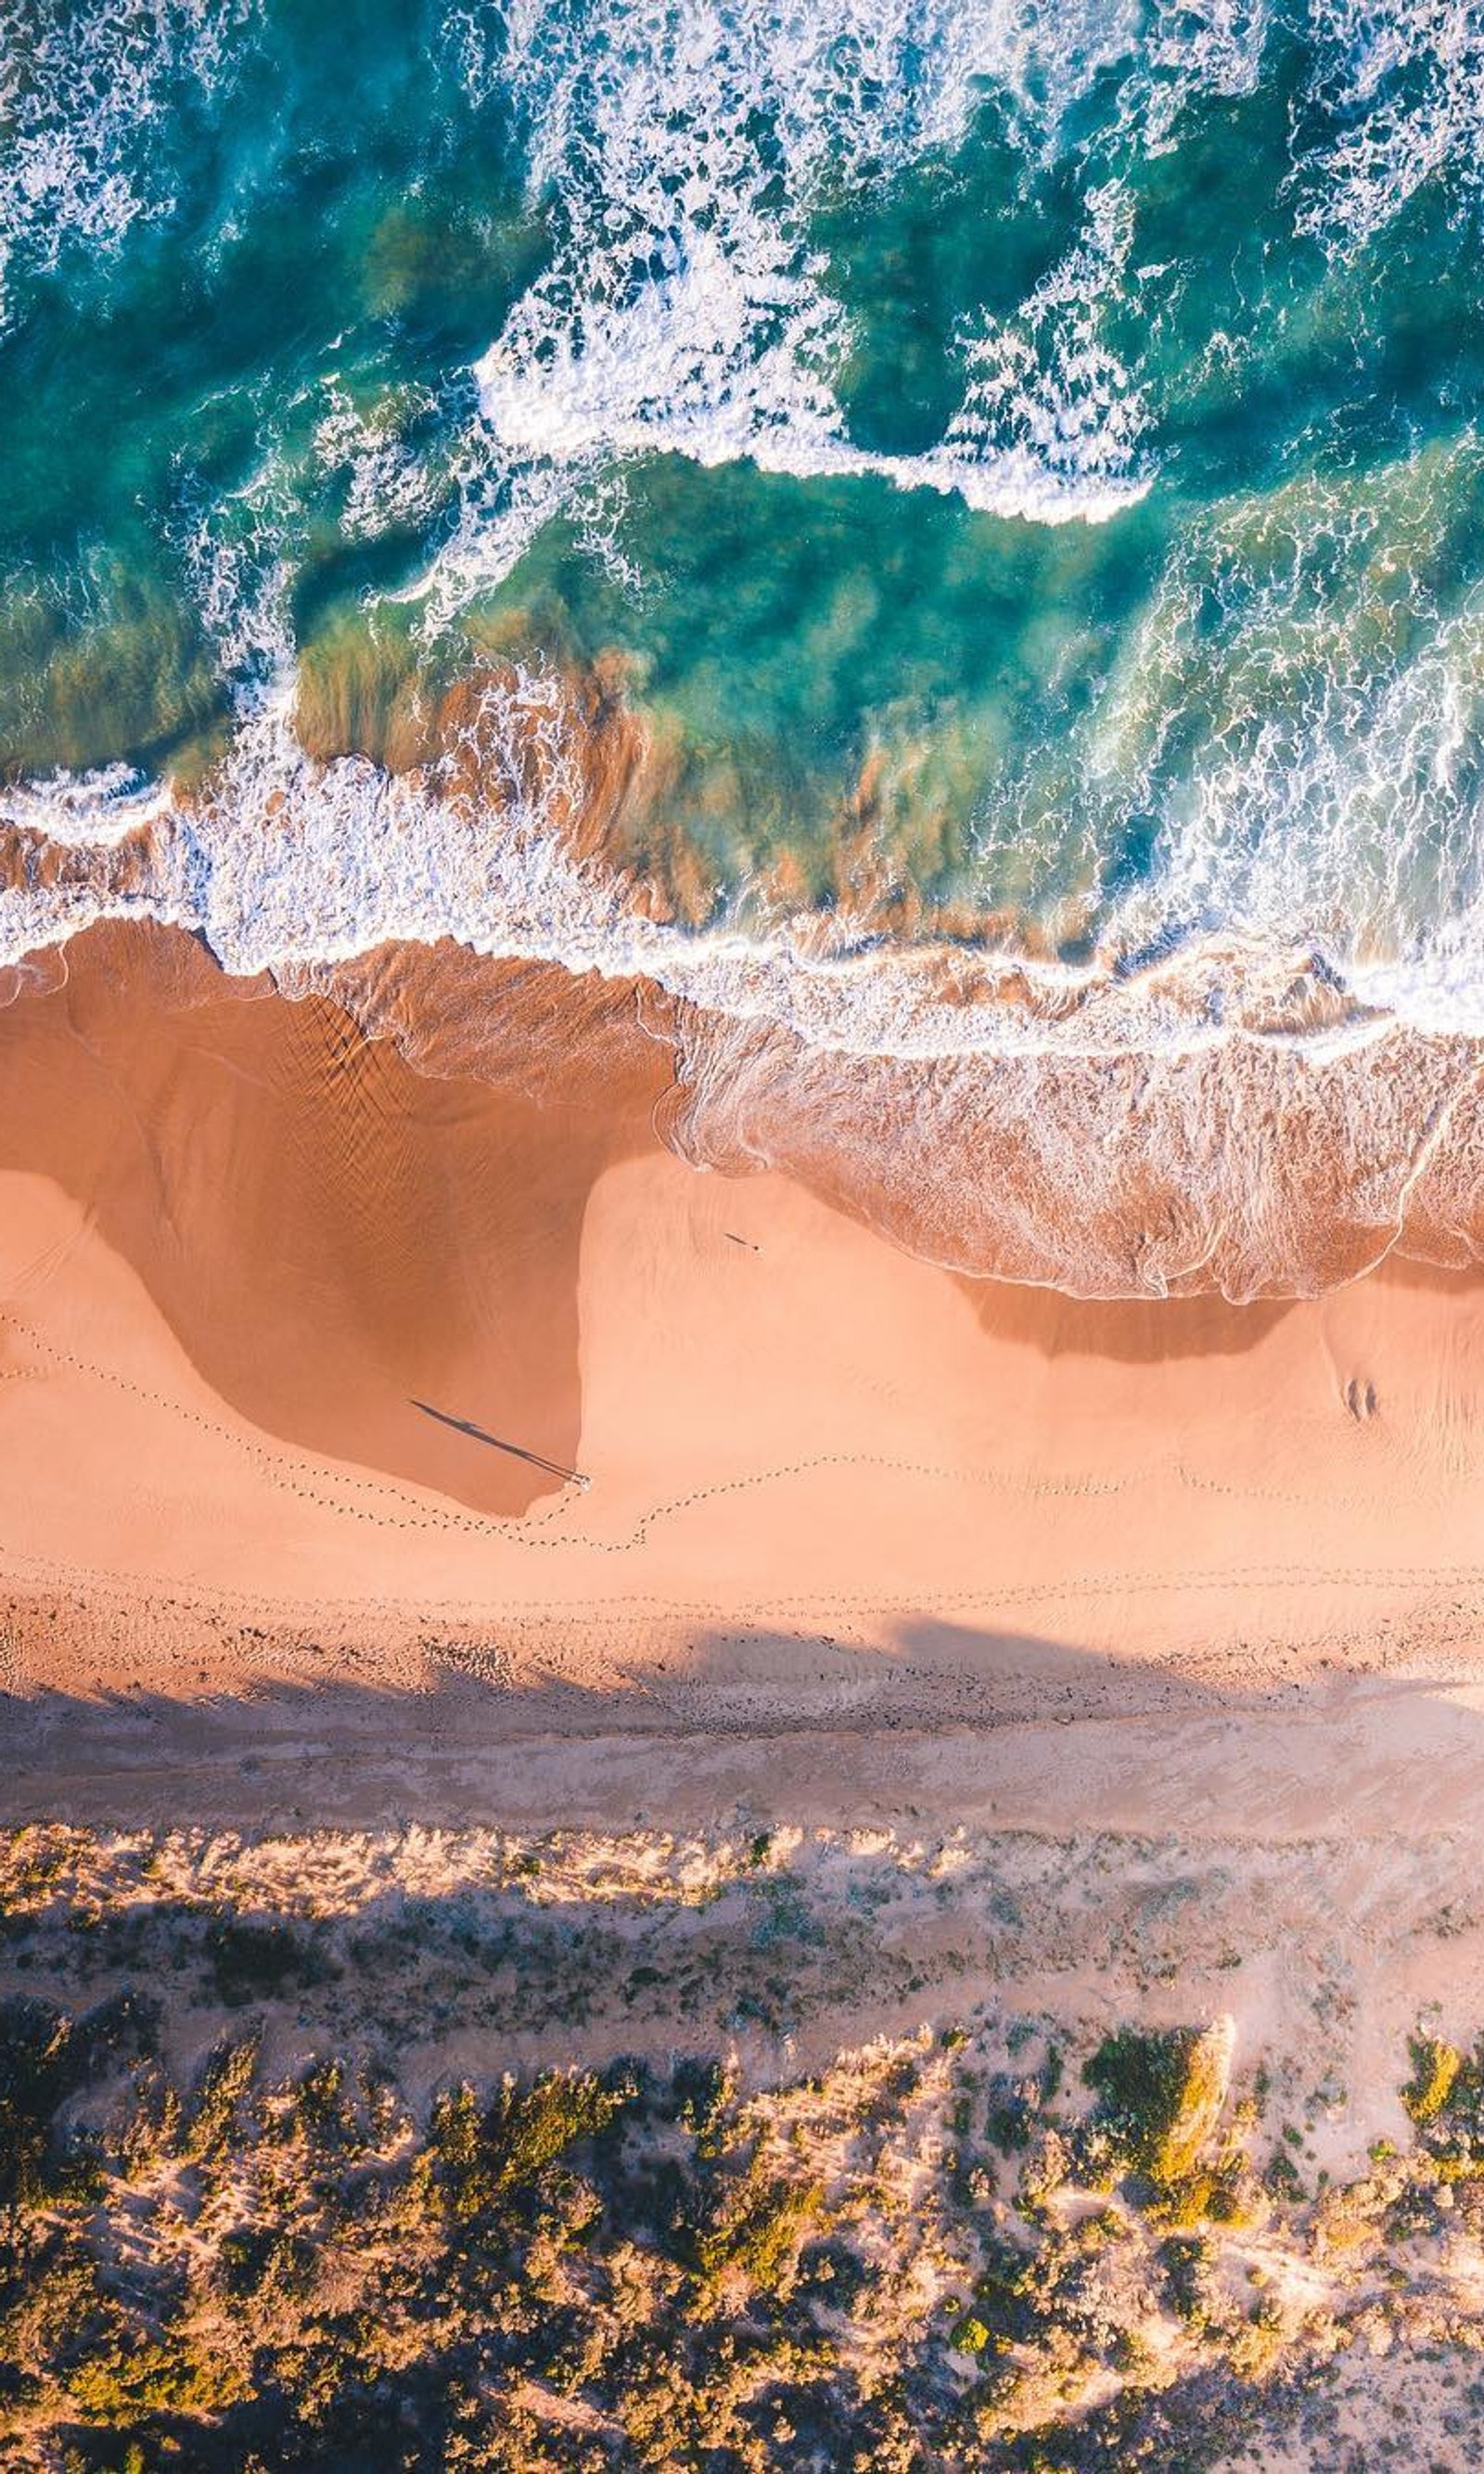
1229,1112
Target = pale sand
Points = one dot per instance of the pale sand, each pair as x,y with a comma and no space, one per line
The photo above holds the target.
934,1541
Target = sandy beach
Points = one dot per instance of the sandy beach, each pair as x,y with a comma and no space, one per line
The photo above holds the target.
742,1239
246,1256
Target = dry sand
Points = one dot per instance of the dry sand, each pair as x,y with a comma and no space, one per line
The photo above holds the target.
1172,1566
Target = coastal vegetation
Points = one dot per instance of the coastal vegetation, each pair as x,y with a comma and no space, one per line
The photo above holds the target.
239,2232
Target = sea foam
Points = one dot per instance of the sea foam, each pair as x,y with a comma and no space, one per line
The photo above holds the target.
85,97
1398,86
281,861
1268,802
1230,1114
679,149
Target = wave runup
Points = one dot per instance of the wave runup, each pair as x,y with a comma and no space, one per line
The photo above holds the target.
1235,1115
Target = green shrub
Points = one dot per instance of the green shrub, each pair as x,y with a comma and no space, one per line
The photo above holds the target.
1204,2198
166,2376
1283,2177
759,2228
252,1961
486,2156
37,2069
1185,2260
265,2259
1010,2115
1161,2093
1435,2069
321,2104
224,2083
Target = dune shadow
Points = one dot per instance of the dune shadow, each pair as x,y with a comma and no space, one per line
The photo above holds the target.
329,1234
1137,1331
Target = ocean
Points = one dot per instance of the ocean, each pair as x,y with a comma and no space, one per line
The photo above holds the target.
937,548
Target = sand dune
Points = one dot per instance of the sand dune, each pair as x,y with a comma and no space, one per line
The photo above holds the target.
323,1233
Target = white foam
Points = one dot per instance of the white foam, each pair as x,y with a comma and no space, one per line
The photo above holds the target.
680,147
1297,715
236,553
82,116
387,485
290,863
95,809
1292,727
971,1130
1047,398
1193,49
1401,84
1306,763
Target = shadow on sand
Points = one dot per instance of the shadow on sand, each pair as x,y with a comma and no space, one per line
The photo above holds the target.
517,1451
946,1719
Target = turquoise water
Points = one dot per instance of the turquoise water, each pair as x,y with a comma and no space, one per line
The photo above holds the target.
1058,420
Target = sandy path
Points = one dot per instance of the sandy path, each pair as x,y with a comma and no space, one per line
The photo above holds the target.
1388,1760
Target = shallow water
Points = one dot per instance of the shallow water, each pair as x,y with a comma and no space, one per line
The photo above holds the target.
1016,464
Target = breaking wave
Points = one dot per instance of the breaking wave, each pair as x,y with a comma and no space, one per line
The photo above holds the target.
85,100
1232,1114
682,148
281,862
